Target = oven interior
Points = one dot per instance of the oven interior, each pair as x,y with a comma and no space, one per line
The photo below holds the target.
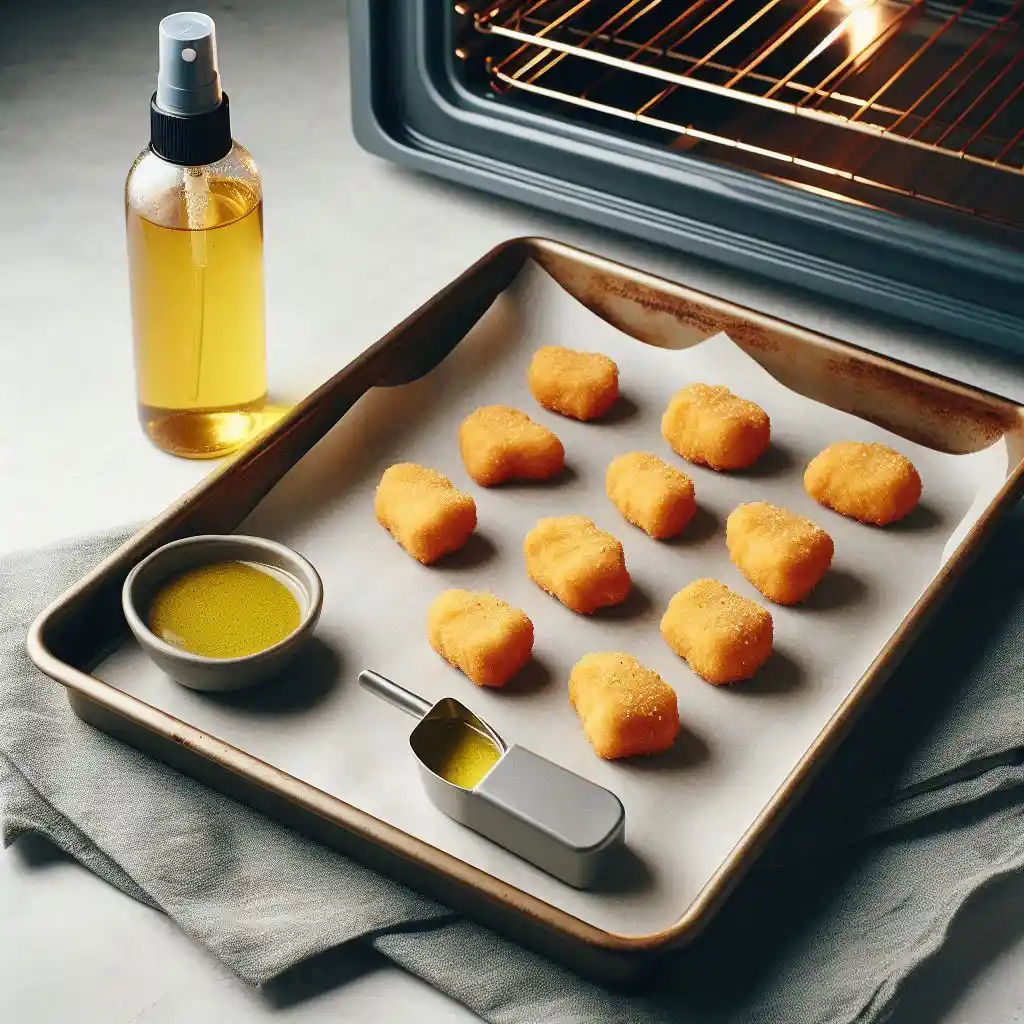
915,108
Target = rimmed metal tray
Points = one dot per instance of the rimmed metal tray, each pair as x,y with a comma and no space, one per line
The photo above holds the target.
72,637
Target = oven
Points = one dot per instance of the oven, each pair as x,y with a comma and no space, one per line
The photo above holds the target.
869,150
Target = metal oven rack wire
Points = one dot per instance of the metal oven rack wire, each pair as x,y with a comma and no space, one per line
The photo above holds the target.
939,87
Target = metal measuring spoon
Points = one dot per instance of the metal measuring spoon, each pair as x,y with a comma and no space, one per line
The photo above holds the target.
552,817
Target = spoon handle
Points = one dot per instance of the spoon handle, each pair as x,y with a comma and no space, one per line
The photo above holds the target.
403,699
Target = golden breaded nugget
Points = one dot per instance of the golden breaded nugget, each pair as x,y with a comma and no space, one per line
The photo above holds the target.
570,558
500,443
424,511
626,709
723,637
583,385
711,426
869,482
781,553
481,635
650,493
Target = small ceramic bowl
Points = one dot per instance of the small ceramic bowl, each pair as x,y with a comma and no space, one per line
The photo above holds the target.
198,671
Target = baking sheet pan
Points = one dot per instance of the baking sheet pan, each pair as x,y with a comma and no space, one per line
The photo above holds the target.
686,810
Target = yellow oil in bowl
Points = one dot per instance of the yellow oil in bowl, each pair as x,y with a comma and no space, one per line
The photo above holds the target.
224,610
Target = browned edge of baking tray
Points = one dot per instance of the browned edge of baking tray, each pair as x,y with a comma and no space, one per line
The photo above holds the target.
86,622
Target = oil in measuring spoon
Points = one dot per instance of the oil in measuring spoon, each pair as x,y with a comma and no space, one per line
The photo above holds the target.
456,751
225,610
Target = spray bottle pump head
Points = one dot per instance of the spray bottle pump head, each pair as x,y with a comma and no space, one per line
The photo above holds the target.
189,119
189,81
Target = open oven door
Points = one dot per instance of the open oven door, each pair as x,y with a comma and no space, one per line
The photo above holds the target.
430,90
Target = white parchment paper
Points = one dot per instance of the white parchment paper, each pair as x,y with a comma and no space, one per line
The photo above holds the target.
686,809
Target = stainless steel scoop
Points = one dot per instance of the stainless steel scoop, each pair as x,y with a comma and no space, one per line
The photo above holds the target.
553,818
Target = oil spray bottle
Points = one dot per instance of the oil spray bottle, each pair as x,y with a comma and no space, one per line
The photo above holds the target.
194,214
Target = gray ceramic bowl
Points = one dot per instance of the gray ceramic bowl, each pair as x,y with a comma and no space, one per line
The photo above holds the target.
195,670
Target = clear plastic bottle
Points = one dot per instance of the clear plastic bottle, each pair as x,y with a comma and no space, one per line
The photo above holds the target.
194,217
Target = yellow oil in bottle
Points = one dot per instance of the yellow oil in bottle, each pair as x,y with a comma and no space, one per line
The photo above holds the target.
198,316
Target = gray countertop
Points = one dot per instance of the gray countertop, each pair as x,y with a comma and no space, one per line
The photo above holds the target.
352,246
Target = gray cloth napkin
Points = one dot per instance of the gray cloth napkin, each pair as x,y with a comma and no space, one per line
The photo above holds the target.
923,805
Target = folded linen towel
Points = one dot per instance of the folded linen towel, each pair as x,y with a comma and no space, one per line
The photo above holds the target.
922,806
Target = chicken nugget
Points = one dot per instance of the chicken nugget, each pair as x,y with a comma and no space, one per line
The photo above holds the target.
570,558
424,511
650,493
500,443
781,553
583,385
869,482
722,636
709,425
625,709
479,634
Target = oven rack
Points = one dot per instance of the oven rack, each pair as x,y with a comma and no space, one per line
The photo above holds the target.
946,81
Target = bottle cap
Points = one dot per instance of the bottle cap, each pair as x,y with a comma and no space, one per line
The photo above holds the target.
189,81
189,119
